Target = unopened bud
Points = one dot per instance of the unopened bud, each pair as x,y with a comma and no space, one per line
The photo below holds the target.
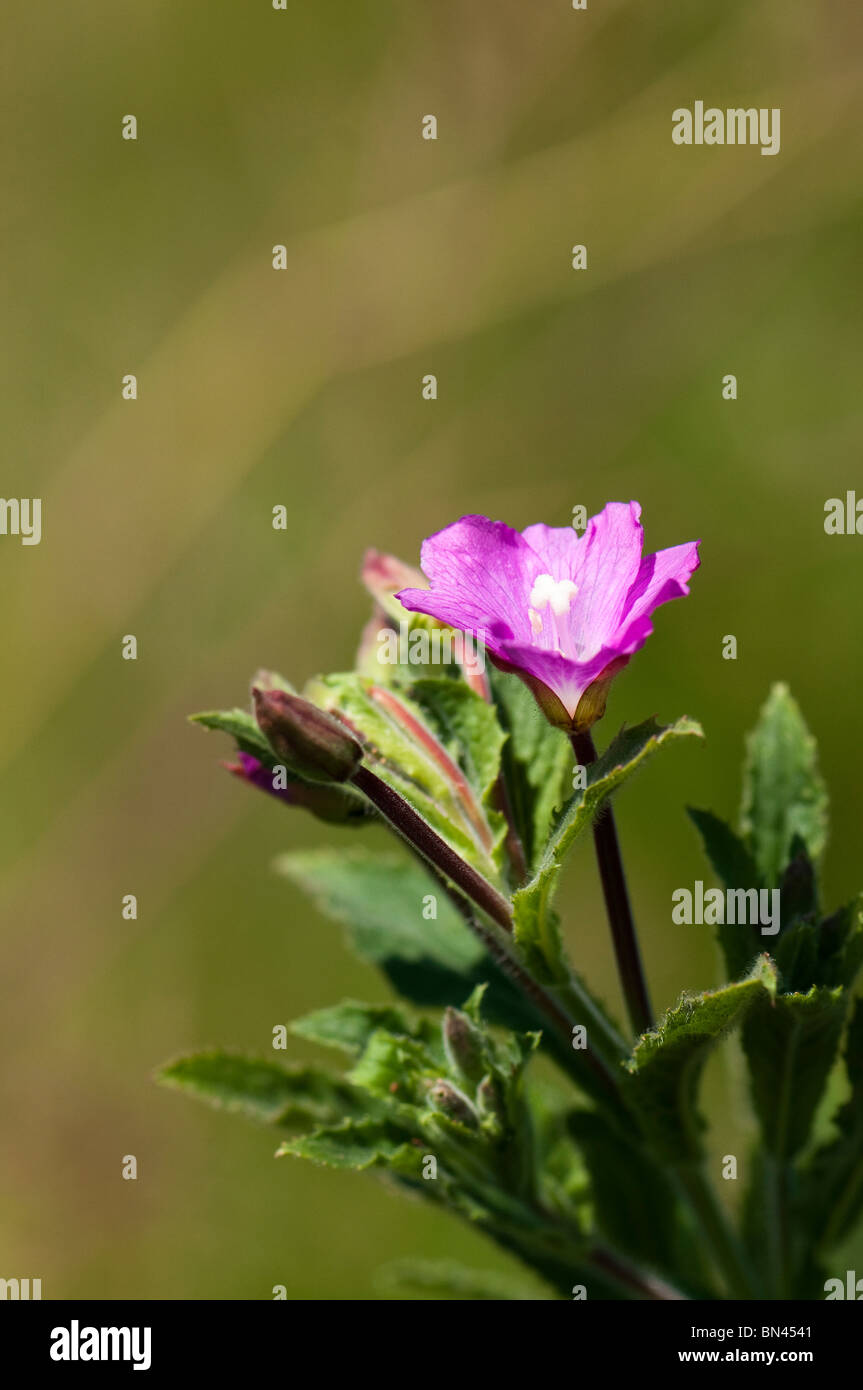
462,1042
447,1098
310,741
326,801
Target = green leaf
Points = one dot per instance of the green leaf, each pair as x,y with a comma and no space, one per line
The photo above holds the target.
832,1198
827,952
783,792
734,866
466,726
798,887
445,780
263,1090
393,1065
382,899
638,1216
791,1043
243,728
840,945
623,756
349,1025
430,961
537,931
444,1279
729,857
664,1071
537,763
358,1145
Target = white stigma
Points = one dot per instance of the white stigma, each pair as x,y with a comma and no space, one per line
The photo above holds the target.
558,593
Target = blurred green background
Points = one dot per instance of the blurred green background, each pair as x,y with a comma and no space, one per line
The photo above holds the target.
557,387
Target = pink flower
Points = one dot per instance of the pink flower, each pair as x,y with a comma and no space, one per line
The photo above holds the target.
563,612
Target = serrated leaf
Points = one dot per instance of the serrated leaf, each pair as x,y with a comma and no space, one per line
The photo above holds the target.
729,857
791,1043
382,898
664,1071
840,945
392,1065
735,868
639,1217
832,1190
783,792
349,1025
537,763
622,757
536,925
263,1090
358,1145
430,961
466,726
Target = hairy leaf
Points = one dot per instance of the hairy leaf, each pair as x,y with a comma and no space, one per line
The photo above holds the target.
791,1043
264,1090
664,1071
832,1189
349,1025
446,783
783,792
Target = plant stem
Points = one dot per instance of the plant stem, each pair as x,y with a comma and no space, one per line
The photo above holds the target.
718,1231
543,999
617,906
471,889
413,828
640,1281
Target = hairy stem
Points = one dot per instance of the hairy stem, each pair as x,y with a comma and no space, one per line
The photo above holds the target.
626,950
545,1002
413,828
470,891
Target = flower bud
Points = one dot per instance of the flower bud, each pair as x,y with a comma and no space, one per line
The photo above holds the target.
448,1099
328,802
462,1042
310,741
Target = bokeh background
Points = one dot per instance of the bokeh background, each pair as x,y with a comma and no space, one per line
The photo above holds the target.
302,387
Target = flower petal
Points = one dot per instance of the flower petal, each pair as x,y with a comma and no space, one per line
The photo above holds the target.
481,575
661,577
556,547
608,558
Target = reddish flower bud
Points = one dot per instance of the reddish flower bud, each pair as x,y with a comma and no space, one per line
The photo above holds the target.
310,741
